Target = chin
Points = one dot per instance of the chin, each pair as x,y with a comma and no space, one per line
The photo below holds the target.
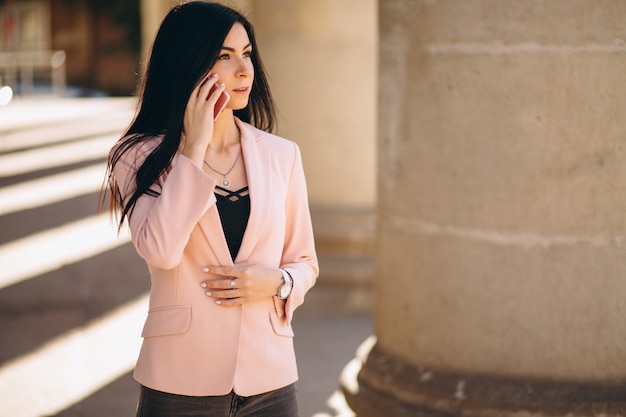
239,105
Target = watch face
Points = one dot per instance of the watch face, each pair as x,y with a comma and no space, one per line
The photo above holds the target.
285,290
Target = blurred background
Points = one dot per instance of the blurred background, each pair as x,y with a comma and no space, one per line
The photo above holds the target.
93,47
69,73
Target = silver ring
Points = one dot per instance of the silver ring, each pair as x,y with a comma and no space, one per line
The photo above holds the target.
232,284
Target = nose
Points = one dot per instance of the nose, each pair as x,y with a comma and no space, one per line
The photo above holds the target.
244,67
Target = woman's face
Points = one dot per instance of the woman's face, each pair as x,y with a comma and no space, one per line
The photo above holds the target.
234,67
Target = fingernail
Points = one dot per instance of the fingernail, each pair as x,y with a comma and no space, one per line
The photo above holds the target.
205,269
203,284
221,84
208,293
215,75
218,302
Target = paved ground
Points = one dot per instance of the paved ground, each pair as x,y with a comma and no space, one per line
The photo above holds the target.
62,292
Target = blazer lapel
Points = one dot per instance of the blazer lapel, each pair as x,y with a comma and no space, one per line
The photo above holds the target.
258,172
211,226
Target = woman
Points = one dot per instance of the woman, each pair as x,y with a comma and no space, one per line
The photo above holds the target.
217,207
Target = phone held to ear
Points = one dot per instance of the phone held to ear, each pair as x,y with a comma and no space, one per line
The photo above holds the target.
220,103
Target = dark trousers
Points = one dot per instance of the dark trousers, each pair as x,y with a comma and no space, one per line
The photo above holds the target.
279,403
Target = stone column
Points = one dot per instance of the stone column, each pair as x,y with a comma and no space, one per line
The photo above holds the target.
501,247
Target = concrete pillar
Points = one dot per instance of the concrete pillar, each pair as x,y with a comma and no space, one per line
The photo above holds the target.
500,259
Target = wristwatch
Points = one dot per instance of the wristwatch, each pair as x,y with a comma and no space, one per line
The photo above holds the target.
285,289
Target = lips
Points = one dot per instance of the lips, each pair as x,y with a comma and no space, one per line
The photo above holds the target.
241,90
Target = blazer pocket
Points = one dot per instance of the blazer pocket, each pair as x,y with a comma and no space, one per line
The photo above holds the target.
164,321
280,326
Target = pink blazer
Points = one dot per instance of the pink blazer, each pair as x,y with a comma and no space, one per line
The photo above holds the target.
192,346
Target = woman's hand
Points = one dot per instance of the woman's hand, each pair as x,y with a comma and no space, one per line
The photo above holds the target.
199,117
242,283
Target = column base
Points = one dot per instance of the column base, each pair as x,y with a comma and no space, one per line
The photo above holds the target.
377,383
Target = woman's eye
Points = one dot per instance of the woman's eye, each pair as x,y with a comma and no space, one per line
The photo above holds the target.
247,54
223,57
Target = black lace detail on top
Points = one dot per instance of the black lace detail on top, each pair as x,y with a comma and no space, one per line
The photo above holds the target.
234,209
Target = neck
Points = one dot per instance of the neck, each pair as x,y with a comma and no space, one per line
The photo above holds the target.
225,132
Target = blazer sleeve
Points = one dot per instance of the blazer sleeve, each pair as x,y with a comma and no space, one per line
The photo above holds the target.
161,224
299,258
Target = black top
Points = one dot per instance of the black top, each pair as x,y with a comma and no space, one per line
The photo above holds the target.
234,209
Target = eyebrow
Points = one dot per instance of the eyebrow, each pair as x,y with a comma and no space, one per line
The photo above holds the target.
228,48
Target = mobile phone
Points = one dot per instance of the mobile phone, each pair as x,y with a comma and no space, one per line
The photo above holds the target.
221,100
220,103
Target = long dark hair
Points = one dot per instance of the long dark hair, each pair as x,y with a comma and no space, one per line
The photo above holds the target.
186,47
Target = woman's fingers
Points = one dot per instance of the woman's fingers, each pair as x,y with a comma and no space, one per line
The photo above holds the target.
227,270
230,283
209,95
241,283
206,94
199,116
226,291
212,91
202,89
